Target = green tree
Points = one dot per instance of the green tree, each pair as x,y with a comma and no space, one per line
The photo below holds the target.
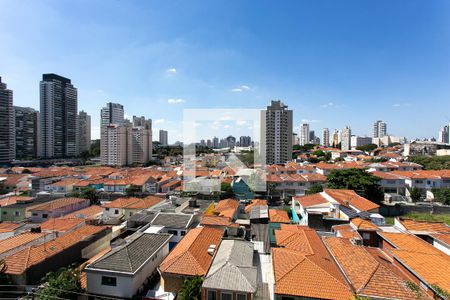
441,292
442,195
431,162
91,194
191,289
317,188
227,190
367,148
132,190
319,153
26,171
415,194
59,284
362,182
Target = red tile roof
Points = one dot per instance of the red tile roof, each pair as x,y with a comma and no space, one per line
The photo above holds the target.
278,216
367,276
350,198
58,203
20,261
190,257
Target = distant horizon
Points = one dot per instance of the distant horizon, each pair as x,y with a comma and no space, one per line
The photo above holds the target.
333,63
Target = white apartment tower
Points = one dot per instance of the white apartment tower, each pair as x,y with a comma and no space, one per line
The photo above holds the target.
326,137
58,117
379,129
276,133
346,135
115,145
84,131
304,134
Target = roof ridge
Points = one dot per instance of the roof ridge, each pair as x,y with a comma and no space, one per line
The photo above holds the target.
371,275
128,258
296,265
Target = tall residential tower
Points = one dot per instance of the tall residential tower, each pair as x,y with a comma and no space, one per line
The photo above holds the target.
276,135
59,104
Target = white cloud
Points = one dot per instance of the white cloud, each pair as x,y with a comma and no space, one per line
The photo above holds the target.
242,123
330,105
241,88
401,104
127,116
310,121
159,121
171,71
175,101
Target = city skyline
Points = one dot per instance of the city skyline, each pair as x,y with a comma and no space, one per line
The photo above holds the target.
330,76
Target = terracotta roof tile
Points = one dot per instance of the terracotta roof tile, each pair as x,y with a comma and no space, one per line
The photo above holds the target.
190,257
311,200
61,225
226,208
297,275
361,224
367,276
424,226
254,203
85,213
349,197
20,261
58,203
19,240
278,216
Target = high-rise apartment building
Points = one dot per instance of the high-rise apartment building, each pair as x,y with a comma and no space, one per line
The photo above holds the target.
7,132
141,145
245,141
215,143
27,132
326,137
444,134
346,135
379,129
336,138
58,117
312,137
304,134
112,113
84,131
115,145
163,137
276,135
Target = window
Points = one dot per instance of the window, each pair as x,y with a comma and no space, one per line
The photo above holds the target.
116,211
226,296
107,209
174,232
35,214
212,295
17,213
183,233
45,216
5,213
111,281
366,236
241,297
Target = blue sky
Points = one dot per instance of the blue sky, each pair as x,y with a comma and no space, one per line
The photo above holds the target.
333,62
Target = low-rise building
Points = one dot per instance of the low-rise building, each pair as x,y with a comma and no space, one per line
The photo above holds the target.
57,208
232,274
30,264
122,271
192,256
